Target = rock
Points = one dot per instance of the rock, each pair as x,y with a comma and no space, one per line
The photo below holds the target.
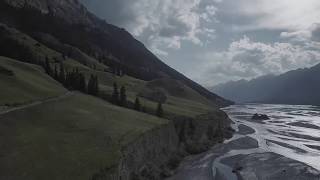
260,117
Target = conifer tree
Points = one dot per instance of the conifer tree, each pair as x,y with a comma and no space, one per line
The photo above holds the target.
91,85
115,94
62,76
96,86
55,76
82,83
47,67
137,105
123,96
159,110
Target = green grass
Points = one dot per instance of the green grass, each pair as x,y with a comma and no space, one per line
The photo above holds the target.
186,102
27,84
72,138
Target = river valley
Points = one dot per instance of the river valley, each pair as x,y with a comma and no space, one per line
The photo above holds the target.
286,146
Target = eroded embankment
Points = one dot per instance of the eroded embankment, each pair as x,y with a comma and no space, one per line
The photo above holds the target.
157,153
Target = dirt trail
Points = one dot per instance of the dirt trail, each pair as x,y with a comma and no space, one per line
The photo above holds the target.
36,103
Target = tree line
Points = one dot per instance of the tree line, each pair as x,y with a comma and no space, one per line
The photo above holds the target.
76,80
119,98
72,80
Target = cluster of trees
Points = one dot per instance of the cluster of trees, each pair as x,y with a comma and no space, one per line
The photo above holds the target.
120,98
159,111
74,80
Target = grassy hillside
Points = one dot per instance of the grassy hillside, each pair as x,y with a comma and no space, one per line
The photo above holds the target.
181,100
76,135
25,83
68,139
73,25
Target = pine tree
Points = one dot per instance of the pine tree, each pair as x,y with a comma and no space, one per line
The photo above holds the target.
47,67
115,94
67,81
62,76
76,77
137,105
82,83
91,85
55,73
123,96
96,86
159,110
73,80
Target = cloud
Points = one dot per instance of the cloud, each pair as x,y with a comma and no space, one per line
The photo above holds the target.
311,33
246,59
315,32
160,24
205,38
272,14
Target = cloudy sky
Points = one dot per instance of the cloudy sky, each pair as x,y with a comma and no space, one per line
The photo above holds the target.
214,41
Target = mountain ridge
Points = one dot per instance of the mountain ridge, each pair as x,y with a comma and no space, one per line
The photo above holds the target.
298,86
80,28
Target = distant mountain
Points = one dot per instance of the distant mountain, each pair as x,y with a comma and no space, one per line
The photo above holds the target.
69,22
300,86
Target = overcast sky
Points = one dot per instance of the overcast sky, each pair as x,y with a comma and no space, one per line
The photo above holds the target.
214,41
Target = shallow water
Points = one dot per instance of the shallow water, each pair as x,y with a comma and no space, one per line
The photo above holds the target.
292,131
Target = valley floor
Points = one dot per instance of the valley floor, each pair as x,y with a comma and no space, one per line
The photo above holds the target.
254,154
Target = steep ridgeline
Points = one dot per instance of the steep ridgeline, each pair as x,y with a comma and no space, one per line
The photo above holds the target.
295,87
71,23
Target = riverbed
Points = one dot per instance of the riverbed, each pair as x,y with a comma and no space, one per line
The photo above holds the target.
286,146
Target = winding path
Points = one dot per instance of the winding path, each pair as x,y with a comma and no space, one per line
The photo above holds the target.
38,102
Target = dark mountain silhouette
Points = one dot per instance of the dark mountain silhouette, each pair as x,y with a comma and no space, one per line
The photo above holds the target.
300,86
70,23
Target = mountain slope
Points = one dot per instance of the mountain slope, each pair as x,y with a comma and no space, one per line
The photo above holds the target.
72,24
300,86
76,135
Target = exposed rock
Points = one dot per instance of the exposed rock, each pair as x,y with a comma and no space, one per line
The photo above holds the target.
260,117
